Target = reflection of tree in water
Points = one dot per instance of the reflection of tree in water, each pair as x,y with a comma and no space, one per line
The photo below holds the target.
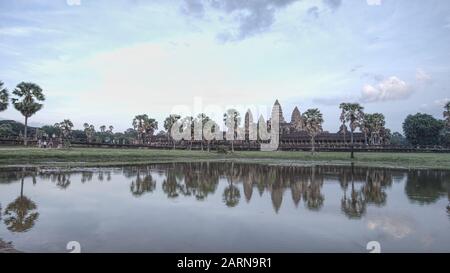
373,190
21,214
142,185
362,186
354,206
172,185
86,176
313,197
231,194
427,186
374,182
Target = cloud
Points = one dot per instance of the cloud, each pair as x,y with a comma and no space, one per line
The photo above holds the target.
73,2
23,31
441,102
374,2
422,76
252,16
387,90
193,7
313,12
333,4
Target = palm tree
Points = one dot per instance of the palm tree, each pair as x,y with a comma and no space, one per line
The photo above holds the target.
188,124
65,128
4,97
89,130
377,124
447,113
27,101
365,127
313,120
232,118
21,215
202,119
168,123
352,113
144,126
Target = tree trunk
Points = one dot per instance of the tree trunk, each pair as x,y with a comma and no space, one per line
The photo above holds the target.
313,144
232,146
351,144
209,148
25,140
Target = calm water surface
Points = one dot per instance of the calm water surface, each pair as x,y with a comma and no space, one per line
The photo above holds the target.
226,207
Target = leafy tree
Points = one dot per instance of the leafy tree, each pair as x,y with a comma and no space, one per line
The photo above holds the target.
4,97
422,129
353,114
65,129
28,95
232,118
374,125
203,119
188,124
144,126
398,139
313,120
168,123
89,130
447,114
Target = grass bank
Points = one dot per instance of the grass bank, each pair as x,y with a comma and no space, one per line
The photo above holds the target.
19,156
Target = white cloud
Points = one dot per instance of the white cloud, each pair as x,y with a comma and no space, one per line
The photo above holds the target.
441,102
389,89
374,2
73,2
422,76
21,31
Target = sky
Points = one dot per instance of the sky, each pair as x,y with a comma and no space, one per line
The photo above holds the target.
105,61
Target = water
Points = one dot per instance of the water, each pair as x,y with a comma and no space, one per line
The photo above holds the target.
226,207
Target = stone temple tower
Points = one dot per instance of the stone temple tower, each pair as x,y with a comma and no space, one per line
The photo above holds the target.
277,103
296,120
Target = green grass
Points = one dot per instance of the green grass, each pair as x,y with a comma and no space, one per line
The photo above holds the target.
18,156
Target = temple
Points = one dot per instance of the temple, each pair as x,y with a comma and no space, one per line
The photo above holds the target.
293,134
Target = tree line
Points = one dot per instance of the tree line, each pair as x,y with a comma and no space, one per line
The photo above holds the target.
419,129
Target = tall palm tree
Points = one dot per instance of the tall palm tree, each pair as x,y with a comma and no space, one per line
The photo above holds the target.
447,113
65,128
232,118
313,120
353,114
4,97
202,118
145,126
28,95
21,215
168,123
188,125
89,130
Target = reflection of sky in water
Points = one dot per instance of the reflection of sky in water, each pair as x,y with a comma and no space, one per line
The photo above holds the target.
231,208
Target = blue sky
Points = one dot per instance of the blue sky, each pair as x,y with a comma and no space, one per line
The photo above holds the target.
104,61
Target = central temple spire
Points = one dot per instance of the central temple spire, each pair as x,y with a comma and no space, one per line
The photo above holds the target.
277,103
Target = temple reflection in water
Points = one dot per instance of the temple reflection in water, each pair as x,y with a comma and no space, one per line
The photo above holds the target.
360,186
231,206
